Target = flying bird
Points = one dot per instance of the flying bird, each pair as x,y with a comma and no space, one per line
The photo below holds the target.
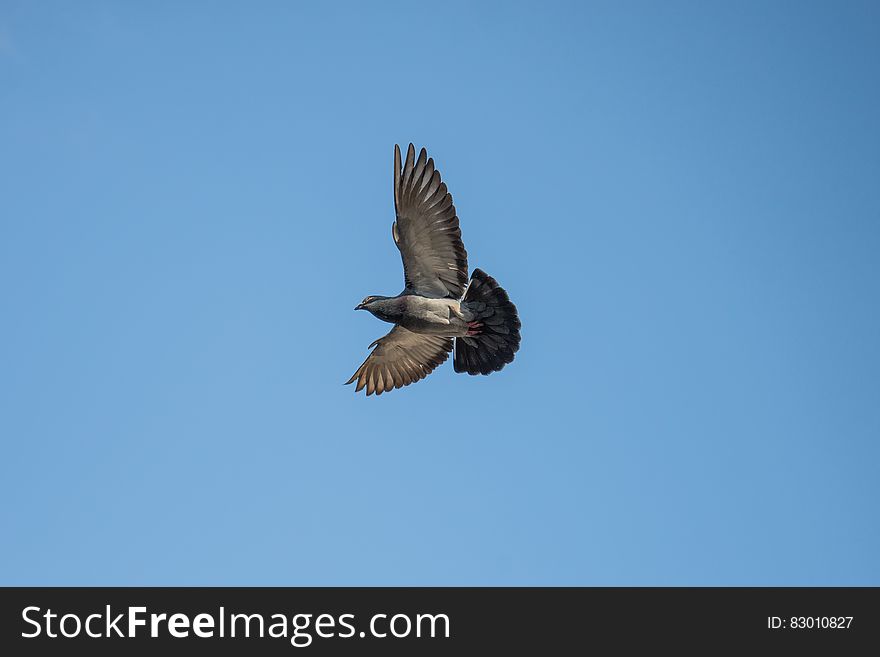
439,309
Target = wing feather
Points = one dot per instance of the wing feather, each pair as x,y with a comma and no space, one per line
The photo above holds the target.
426,229
400,358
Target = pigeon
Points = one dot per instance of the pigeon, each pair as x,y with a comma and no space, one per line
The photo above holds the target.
439,310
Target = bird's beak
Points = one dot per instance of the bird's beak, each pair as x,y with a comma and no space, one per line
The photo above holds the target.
360,306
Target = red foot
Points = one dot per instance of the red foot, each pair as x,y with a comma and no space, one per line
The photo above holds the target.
474,328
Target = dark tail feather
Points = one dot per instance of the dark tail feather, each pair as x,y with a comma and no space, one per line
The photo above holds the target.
498,339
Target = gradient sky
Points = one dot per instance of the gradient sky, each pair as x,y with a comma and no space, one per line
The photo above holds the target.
682,198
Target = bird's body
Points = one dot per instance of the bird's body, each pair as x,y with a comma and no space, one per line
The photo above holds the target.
420,314
439,309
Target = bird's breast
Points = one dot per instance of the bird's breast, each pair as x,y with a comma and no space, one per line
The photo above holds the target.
433,316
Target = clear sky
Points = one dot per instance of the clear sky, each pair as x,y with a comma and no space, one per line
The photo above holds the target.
682,198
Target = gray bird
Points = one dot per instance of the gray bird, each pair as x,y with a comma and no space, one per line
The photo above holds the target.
438,305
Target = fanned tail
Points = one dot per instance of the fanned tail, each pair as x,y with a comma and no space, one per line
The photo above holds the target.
496,334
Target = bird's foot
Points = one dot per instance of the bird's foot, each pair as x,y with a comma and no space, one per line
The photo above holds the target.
474,328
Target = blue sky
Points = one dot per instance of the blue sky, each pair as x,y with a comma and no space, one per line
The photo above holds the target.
681,198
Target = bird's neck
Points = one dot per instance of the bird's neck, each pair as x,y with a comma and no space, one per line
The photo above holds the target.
388,309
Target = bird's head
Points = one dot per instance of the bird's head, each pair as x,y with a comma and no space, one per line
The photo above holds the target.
365,304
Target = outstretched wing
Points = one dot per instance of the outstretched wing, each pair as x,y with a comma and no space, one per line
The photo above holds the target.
426,230
400,358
